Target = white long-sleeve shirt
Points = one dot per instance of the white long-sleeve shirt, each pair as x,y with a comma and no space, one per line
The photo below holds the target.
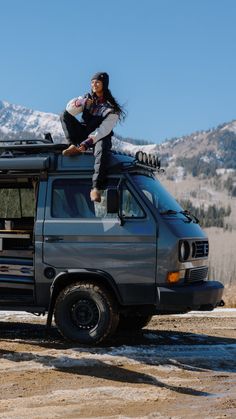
76,106
105,128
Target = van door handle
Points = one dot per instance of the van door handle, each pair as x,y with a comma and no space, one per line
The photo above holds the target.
53,239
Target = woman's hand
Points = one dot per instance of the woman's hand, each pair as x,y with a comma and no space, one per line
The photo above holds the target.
88,103
81,148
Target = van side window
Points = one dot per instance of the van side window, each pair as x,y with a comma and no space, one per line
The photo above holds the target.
70,199
130,207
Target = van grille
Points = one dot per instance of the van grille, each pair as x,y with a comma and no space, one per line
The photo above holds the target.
200,249
197,274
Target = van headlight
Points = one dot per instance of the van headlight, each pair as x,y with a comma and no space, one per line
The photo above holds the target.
184,250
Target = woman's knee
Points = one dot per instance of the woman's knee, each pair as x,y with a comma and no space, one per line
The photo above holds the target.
66,116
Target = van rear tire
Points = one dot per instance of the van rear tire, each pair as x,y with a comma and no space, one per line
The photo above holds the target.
85,313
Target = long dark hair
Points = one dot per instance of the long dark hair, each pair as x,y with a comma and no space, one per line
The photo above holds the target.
108,97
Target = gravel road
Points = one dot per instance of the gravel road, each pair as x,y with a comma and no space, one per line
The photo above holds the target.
178,367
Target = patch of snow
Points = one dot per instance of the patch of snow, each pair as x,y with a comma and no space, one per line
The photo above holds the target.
125,147
206,159
180,174
218,312
224,171
165,144
171,158
153,355
230,127
219,155
177,141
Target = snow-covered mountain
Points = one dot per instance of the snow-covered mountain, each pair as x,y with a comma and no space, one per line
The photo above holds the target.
16,119
216,146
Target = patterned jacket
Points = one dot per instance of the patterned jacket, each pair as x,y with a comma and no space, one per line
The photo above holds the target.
98,115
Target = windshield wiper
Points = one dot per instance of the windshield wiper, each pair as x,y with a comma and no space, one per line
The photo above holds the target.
169,211
186,213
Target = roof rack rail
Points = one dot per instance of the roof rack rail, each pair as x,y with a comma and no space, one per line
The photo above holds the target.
46,140
17,149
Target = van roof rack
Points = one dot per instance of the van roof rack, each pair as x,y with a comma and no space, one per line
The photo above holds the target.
17,147
46,140
25,141
31,145
31,148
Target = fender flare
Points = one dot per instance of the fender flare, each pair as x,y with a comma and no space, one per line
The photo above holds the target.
73,275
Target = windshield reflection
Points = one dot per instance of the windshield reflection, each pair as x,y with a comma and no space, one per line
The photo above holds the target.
162,200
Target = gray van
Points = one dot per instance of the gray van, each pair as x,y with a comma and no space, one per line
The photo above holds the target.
96,267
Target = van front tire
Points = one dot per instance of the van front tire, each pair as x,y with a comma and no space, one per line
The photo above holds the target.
85,313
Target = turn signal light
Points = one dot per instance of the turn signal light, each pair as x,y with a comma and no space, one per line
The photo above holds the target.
173,277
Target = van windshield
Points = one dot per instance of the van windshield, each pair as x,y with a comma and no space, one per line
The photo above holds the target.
157,194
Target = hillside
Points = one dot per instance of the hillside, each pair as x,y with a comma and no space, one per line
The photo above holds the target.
203,152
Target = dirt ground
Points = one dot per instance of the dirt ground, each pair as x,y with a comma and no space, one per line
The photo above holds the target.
178,367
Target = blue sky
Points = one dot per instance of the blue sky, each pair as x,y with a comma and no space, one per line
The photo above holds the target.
172,63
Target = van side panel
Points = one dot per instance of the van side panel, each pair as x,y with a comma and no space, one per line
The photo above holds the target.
126,252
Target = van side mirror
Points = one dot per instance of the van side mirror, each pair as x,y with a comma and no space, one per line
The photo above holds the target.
112,201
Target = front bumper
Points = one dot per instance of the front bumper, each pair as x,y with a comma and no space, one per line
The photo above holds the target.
199,296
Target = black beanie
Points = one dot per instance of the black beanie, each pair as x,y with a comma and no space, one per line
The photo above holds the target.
102,77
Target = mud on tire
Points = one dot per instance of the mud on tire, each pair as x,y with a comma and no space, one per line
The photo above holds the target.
85,313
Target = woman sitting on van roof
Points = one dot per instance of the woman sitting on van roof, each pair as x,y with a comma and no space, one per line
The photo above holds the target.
100,113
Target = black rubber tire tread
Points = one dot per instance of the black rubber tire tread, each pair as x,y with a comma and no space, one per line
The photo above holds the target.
108,312
133,323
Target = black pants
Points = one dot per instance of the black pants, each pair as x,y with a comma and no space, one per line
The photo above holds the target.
76,132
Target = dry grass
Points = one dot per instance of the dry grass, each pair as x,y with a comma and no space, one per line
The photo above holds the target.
222,255
222,261
229,296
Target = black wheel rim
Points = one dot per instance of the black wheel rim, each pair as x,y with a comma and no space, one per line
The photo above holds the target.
85,314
